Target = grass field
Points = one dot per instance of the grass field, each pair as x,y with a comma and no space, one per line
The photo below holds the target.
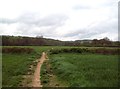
86,70
14,66
72,68
0,69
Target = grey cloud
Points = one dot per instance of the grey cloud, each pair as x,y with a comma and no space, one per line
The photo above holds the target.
75,33
119,20
32,24
45,21
94,30
119,11
7,21
33,30
107,26
82,34
110,3
53,20
78,7
82,31
31,19
89,35
106,3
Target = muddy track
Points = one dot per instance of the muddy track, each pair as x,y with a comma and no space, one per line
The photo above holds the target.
36,79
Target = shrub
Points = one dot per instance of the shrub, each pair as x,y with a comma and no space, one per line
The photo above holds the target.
69,50
107,51
104,51
17,50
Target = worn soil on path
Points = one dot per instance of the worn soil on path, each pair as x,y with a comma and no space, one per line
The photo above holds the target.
36,79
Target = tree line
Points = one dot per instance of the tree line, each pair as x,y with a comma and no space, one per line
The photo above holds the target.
40,41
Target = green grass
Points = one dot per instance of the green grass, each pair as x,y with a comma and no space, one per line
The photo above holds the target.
0,70
44,75
48,77
86,70
14,66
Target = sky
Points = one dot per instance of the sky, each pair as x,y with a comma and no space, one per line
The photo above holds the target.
66,20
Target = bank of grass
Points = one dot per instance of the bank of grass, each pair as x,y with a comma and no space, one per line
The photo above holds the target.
48,76
0,70
16,63
14,66
86,70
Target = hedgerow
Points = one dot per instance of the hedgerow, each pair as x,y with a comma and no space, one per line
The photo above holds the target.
86,50
17,50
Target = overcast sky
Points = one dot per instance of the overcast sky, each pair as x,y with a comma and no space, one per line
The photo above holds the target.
60,19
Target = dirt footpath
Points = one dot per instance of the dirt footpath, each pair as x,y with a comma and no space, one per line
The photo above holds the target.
36,79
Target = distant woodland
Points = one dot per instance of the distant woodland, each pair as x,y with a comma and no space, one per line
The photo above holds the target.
40,41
